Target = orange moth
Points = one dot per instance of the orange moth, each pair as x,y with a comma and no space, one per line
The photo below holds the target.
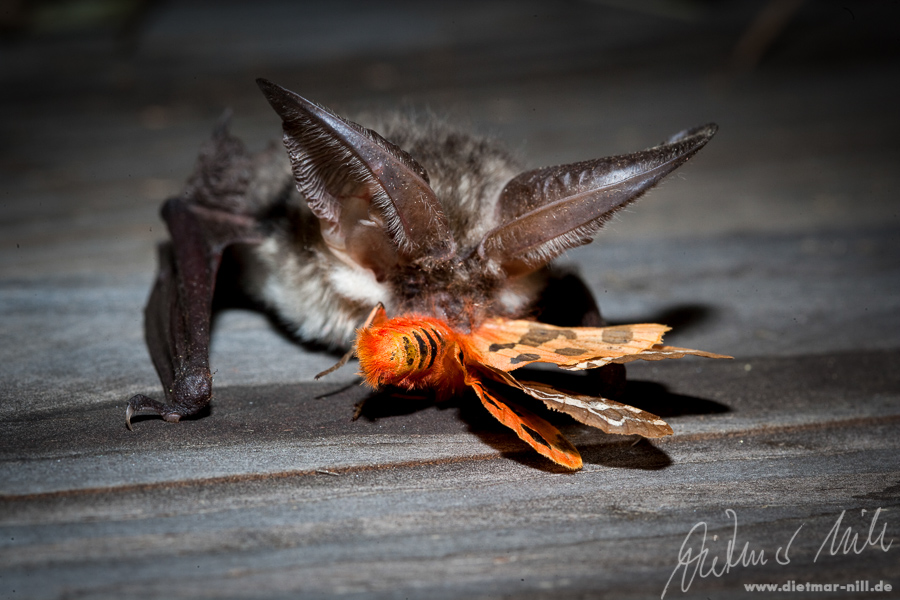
414,352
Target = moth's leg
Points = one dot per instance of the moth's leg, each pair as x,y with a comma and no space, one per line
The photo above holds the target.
567,302
358,409
376,316
343,361
178,313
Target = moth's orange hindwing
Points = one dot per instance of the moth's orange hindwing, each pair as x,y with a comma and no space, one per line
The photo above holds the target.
533,430
508,344
411,352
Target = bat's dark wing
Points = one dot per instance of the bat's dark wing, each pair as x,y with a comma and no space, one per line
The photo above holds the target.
216,210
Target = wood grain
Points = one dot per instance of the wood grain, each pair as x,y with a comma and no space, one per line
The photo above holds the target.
779,244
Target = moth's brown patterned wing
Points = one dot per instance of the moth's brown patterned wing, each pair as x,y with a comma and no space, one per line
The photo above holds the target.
533,430
508,344
656,352
662,352
606,415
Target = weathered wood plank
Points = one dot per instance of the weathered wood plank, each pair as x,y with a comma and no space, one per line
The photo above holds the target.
280,430
782,247
485,527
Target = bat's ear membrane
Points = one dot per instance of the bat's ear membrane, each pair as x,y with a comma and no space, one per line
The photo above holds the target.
543,213
373,200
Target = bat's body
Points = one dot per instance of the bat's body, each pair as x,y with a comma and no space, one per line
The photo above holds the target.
434,222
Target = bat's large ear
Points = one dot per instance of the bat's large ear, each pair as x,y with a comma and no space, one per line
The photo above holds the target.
373,199
545,212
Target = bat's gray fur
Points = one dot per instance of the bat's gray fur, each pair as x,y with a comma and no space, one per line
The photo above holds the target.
323,297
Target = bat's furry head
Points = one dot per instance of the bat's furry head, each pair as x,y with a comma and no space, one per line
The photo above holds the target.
426,219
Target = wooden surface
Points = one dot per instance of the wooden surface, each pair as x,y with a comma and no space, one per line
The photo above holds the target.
779,244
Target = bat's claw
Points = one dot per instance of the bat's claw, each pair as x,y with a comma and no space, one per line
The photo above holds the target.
141,403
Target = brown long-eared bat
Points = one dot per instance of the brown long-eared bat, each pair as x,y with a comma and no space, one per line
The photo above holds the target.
412,214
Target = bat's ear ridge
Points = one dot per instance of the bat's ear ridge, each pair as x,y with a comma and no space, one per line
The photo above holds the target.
327,152
699,135
544,212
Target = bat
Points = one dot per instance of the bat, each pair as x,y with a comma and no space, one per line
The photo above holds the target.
409,212
414,352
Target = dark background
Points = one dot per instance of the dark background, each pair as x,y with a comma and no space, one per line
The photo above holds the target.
778,244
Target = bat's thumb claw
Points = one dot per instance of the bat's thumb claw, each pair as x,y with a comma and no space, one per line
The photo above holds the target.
139,403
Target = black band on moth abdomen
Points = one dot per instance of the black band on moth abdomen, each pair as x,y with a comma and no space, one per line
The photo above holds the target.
433,344
423,349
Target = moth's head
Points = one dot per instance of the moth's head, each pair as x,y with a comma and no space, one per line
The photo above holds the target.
387,354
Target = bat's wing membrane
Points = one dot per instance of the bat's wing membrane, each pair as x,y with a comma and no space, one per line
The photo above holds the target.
212,214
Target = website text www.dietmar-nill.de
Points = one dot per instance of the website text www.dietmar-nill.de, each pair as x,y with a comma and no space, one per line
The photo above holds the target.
860,585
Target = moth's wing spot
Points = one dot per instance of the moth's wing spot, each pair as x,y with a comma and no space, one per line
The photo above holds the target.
569,351
497,347
537,336
534,435
617,336
524,358
541,335
490,401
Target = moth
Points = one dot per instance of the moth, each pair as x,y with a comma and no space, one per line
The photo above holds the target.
416,351
408,212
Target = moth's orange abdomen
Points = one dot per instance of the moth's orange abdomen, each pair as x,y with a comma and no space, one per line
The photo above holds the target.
412,353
